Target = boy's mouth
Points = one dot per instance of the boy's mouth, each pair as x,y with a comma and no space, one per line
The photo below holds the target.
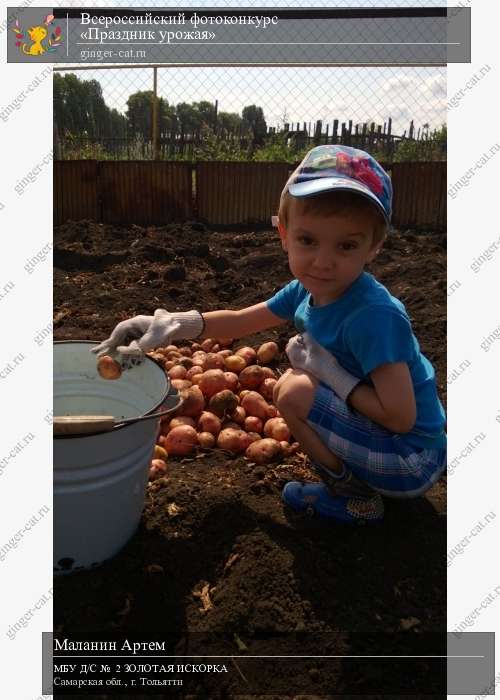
320,279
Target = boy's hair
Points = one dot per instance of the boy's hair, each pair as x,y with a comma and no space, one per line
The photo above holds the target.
335,203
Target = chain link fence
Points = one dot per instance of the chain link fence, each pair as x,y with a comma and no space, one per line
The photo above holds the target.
247,113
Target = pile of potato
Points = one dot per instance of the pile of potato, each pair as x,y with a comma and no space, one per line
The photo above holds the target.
227,403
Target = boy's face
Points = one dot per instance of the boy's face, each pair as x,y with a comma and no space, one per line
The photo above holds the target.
327,253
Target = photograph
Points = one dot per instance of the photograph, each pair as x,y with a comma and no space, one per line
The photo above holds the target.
238,340
295,500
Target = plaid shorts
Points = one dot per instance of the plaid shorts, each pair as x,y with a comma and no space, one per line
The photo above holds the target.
384,460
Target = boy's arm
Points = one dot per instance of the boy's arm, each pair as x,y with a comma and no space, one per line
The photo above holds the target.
149,332
236,324
391,400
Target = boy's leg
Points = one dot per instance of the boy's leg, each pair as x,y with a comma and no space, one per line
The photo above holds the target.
294,396
347,499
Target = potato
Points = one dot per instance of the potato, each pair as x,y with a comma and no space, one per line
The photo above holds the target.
248,353
186,362
180,384
235,363
272,411
277,428
230,424
268,352
160,453
268,372
195,347
286,448
239,415
193,402
263,451
253,424
195,369
180,420
233,440
171,348
207,344
181,440
251,377
267,388
253,437
206,440
215,348
209,423
173,355
225,353
199,358
255,405
231,381
223,403
177,372
213,361
212,382
109,368
225,342
168,365
157,469
186,351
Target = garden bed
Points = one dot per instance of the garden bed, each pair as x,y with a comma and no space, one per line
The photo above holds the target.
276,583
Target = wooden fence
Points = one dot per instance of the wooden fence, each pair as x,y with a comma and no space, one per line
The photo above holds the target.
218,193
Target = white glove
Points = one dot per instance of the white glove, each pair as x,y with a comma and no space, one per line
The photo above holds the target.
306,354
150,332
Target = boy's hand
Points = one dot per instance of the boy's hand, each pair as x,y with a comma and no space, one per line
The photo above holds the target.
149,332
306,354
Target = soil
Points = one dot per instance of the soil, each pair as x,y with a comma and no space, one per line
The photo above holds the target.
277,583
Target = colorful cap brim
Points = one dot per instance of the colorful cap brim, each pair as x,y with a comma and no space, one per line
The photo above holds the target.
308,188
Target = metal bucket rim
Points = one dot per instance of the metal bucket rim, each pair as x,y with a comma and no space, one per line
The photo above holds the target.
121,427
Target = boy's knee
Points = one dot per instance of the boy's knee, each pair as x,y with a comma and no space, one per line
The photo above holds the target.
295,394
279,384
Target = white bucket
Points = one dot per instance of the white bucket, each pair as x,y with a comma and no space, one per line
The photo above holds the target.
100,480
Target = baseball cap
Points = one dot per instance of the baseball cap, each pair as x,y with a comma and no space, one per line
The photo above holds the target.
331,168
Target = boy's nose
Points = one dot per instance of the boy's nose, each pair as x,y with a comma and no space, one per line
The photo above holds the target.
324,263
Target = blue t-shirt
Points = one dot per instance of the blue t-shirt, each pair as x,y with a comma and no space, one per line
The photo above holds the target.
364,328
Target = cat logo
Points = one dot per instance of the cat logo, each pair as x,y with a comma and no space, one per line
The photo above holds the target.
38,39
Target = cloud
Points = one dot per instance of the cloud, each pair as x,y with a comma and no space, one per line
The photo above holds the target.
399,82
435,86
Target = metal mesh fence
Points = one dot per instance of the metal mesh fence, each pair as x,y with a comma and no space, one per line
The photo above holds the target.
224,113
251,113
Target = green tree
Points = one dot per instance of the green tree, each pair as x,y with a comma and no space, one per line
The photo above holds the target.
253,119
229,121
140,113
431,148
206,113
188,117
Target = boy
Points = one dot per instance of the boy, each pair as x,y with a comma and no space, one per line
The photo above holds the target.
360,398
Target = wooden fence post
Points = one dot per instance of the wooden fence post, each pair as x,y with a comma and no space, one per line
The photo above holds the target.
155,114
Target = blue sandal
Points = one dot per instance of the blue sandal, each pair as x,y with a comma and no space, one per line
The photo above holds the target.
317,499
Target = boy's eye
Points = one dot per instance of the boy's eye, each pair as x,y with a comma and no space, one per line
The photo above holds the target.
305,240
347,245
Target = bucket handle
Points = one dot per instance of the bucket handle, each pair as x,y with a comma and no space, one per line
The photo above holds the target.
90,425
148,416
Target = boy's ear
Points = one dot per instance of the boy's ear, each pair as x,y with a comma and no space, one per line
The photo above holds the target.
375,251
282,232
